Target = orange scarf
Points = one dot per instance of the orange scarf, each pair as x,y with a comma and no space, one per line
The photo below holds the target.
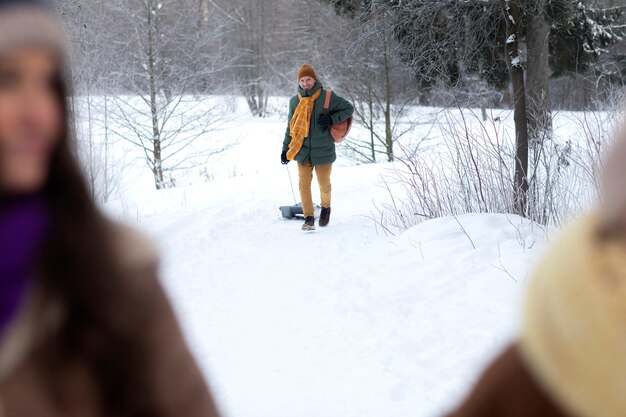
301,123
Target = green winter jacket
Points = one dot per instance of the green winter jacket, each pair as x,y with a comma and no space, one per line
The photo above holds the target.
319,147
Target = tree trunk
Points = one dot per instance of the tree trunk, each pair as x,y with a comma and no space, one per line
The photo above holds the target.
513,16
388,128
157,162
483,105
506,97
157,170
538,73
370,104
425,93
93,186
253,45
107,177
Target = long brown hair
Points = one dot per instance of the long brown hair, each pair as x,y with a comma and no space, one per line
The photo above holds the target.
79,269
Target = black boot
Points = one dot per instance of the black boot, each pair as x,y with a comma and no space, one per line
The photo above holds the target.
325,217
309,224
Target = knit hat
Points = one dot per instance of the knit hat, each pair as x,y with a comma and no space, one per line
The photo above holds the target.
307,71
31,23
574,330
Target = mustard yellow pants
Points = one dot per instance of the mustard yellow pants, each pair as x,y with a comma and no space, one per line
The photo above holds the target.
305,174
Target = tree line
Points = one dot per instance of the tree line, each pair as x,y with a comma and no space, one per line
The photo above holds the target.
387,55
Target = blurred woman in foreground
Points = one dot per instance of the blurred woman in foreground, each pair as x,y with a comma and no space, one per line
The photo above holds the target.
570,360
85,328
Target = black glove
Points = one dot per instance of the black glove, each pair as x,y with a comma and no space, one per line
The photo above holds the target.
283,158
325,120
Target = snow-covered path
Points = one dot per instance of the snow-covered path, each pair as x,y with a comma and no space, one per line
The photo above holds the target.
342,322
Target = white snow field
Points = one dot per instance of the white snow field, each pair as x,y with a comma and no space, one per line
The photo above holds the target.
342,322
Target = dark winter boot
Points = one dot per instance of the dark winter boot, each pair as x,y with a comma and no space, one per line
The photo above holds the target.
325,217
309,224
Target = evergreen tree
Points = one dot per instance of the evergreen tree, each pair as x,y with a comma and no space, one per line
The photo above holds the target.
456,42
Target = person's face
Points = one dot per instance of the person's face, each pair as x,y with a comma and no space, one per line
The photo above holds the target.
306,83
31,118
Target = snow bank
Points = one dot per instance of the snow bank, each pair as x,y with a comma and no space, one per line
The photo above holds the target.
342,322
339,323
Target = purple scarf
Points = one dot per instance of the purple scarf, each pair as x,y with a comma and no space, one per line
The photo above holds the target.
24,223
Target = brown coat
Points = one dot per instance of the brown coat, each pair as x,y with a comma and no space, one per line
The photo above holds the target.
507,389
177,383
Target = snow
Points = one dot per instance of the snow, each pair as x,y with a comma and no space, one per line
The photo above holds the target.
340,322
508,11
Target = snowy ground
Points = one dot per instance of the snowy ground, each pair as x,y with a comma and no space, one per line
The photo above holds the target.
338,323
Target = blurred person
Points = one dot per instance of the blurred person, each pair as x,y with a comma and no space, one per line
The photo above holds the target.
570,359
308,141
85,327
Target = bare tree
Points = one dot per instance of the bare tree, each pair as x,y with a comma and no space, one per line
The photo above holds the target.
91,102
168,70
376,81
270,39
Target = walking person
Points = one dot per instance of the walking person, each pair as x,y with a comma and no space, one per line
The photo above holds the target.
85,327
308,141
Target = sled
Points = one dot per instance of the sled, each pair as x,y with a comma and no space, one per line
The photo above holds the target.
295,212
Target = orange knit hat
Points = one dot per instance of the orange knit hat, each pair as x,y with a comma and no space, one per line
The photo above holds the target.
307,71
